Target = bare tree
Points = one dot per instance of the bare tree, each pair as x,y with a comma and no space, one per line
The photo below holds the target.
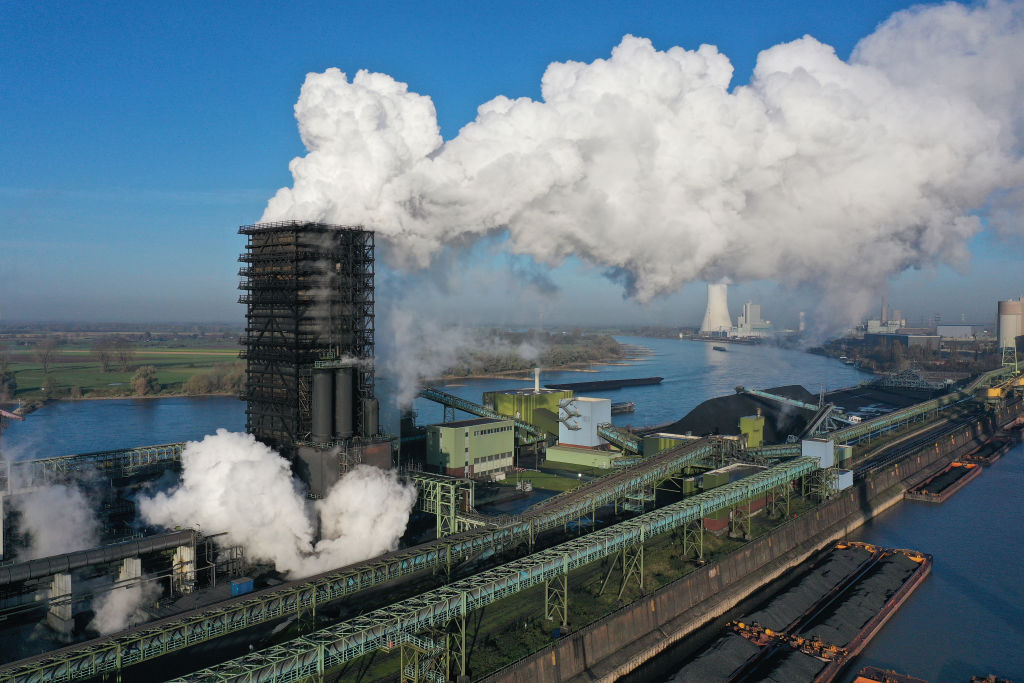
125,353
105,352
45,352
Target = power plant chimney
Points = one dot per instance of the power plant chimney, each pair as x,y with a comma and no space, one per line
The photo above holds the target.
716,317
536,380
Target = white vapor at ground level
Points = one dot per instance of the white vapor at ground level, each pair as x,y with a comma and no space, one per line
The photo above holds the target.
231,482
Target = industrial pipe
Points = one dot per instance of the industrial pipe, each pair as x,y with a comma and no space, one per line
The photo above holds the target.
343,409
321,408
58,564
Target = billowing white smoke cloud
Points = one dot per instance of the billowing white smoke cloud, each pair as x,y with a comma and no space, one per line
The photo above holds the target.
819,171
363,515
122,607
231,482
423,348
57,519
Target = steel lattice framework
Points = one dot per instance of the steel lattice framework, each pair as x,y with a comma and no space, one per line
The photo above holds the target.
392,626
111,654
118,463
309,297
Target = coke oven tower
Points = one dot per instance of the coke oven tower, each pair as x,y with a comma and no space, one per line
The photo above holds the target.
309,389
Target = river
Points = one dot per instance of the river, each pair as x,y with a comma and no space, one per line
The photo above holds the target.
965,619
693,372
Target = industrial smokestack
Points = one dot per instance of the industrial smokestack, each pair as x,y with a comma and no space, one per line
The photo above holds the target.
716,317
536,380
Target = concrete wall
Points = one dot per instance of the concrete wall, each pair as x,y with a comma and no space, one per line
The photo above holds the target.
599,651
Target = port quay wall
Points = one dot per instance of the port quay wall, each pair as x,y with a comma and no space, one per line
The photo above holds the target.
625,639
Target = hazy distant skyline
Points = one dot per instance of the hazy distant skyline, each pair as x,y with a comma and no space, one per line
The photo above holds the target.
138,137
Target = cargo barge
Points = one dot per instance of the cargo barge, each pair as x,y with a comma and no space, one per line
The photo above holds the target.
815,625
872,674
622,408
606,384
989,452
940,486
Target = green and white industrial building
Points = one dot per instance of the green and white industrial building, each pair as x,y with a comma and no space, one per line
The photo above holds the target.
477,448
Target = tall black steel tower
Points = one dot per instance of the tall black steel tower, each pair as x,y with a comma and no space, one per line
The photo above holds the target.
309,336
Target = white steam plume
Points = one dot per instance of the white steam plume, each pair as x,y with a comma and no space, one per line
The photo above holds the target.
837,173
121,607
57,519
423,348
231,482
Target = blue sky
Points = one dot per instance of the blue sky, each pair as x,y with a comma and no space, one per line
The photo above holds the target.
139,135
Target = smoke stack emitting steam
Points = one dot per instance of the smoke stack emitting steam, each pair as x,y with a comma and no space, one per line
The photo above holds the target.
820,171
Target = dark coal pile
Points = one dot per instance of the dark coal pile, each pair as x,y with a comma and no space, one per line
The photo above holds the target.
790,604
718,661
787,665
722,415
842,622
945,480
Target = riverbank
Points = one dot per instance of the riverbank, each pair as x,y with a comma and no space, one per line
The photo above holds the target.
660,619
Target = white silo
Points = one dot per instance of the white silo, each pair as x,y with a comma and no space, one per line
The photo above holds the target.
1011,322
716,317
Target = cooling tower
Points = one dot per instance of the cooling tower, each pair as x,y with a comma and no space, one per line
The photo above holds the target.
716,317
1011,322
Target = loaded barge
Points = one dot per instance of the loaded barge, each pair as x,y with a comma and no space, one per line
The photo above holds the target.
989,452
606,384
943,484
817,623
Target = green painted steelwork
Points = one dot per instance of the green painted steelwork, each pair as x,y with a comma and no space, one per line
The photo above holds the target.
623,438
328,648
445,498
111,654
117,463
525,432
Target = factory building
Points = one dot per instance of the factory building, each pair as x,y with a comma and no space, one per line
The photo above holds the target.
538,406
717,321
478,448
1010,322
309,389
906,340
578,419
750,323
964,331
600,458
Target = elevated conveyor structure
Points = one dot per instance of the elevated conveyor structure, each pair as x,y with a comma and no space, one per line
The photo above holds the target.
623,438
177,633
525,432
784,400
390,627
24,474
44,567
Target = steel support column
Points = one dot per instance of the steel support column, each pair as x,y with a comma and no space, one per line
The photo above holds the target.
556,596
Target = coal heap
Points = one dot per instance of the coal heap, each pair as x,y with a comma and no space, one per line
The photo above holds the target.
722,415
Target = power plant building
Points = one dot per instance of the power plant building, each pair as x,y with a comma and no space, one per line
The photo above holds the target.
538,406
474,448
578,420
309,387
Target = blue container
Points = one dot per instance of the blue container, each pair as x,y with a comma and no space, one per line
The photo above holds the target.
241,586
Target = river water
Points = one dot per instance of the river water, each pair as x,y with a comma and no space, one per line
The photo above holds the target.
965,619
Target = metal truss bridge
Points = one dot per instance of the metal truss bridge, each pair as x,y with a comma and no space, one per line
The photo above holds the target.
399,625
26,474
174,634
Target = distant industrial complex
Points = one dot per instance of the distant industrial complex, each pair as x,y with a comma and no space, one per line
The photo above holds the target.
654,532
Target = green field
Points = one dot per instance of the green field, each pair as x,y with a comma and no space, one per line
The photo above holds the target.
80,368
